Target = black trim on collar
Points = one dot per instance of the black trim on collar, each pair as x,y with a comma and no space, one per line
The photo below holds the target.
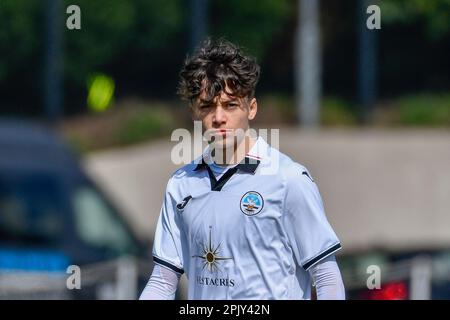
217,185
201,165
247,165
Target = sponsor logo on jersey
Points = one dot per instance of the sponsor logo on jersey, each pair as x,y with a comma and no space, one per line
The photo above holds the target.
211,258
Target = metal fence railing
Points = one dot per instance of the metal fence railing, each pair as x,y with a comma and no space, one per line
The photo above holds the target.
116,279
419,273
125,277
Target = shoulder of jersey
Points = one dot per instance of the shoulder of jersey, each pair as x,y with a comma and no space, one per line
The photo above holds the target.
291,169
177,183
185,170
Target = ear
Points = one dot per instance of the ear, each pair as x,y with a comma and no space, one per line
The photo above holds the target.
253,108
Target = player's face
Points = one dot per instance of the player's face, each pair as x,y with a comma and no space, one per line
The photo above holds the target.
226,118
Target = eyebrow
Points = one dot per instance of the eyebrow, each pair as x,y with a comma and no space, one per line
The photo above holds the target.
205,102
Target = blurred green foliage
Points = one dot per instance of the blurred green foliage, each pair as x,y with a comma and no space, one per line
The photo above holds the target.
100,92
423,110
337,112
19,33
147,124
110,28
252,24
432,110
140,44
105,27
435,14
280,109
127,122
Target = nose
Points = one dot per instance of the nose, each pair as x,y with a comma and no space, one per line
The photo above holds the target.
219,116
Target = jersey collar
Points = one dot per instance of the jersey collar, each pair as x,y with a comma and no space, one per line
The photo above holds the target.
248,164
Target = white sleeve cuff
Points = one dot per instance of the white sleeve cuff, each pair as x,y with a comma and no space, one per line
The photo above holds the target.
327,279
162,285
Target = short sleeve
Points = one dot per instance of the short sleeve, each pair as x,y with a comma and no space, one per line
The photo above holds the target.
309,233
167,243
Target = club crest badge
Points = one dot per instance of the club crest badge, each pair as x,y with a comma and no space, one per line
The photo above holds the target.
251,203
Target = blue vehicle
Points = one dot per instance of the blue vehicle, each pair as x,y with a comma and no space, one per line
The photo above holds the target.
52,214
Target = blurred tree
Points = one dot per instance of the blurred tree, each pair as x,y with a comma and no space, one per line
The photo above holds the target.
435,14
156,23
109,30
253,24
122,38
109,27
19,35
105,26
141,44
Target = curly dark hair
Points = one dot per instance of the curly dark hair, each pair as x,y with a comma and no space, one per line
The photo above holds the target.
215,66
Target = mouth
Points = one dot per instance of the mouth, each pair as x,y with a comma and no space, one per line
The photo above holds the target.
219,135
222,132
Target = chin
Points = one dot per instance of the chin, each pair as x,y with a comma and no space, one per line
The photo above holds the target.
223,144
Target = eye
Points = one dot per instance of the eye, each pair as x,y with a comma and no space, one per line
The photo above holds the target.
233,105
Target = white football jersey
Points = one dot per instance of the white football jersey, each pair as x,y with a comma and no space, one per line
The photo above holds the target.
253,234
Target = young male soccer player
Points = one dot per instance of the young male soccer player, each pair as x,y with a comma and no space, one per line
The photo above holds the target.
237,229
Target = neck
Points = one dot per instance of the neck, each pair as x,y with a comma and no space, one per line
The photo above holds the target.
234,154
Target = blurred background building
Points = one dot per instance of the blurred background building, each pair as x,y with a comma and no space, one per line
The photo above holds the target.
366,110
